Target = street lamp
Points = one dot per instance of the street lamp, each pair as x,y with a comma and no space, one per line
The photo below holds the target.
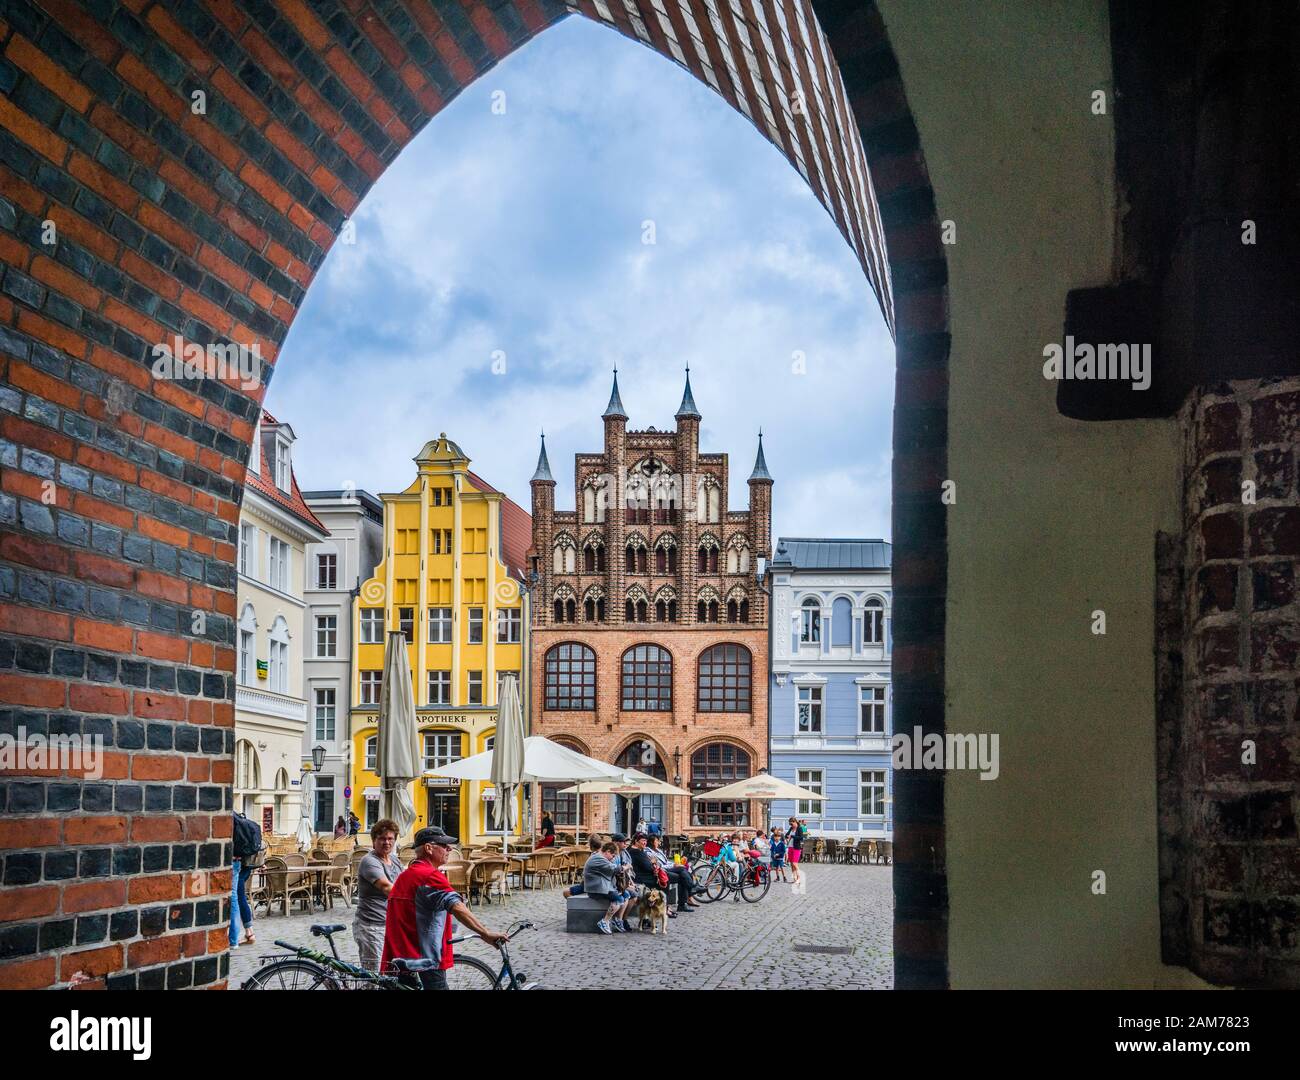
317,756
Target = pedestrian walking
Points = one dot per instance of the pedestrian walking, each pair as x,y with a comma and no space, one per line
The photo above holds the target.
376,873
794,846
340,828
248,853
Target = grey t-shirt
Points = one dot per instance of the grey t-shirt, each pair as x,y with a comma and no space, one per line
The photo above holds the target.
372,904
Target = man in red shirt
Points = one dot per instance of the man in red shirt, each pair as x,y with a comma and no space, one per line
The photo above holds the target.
421,903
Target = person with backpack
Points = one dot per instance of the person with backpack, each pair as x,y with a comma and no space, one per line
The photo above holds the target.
249,853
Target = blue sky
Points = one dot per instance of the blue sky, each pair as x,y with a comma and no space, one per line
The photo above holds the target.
521,233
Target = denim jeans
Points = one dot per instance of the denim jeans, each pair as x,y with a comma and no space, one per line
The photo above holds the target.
240,911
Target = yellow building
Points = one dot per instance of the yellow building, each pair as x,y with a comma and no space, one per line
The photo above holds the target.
454,557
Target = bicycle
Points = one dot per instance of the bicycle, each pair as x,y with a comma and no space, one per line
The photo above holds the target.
719,878
311,969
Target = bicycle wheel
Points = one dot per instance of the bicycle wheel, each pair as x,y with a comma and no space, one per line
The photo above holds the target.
470,973
292,973
716,885
755,884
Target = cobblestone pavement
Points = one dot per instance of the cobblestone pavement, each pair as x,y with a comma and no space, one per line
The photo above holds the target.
726,945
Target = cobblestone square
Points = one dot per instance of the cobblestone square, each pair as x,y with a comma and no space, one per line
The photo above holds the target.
727,945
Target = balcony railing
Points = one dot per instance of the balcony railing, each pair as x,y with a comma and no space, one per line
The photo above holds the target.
792,741
251,699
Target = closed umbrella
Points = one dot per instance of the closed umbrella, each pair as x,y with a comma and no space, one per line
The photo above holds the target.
397,759
508,757
304,834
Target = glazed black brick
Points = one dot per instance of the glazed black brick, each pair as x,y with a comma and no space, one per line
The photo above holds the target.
95,862
160,736
153,979
122,980
128,798
211,856
157,797
22,868
205,971
26,798
123,924
153,921
97,798
91,929
180,916
179,976
156,857
21,939
60,865
186,797
57,934
184,856
187,737
126,861
212,798
207,913
130,734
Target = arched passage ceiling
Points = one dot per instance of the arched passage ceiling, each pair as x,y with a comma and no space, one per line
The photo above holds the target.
304,106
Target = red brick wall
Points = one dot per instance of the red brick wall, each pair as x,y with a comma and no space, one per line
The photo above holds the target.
607,731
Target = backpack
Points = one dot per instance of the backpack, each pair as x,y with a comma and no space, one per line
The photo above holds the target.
246,841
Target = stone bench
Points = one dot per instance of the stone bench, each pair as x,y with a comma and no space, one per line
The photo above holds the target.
582,913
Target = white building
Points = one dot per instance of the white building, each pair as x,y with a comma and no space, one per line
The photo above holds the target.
275,527
335,569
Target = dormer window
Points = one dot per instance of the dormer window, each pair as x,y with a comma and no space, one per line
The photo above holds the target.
280,465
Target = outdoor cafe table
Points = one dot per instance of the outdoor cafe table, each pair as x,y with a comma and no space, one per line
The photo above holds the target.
318,871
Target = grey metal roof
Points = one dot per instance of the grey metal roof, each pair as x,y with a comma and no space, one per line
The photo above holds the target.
819,553
614,410
543,471
760,463
687,409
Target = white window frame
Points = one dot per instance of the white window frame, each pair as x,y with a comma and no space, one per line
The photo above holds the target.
470,684
473,625
437,748
370,688
372,755
322,717
865,785
331,637
509,626
282,466
279,563
873,612
815,698
810,622
330,559
408,633
867,699
248,550
810,807
248,646
369,634
440,626
442,681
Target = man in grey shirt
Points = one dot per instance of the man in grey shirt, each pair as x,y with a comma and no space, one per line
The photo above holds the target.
375,876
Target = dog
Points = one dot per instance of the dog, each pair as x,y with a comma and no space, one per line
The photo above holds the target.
654,908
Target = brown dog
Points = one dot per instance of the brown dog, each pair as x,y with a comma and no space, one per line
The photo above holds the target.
654,907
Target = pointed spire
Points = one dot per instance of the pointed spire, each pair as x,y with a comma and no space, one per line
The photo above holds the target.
687,409
614,410
543,466
760,463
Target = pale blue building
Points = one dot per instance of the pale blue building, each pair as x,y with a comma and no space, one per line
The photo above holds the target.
830,692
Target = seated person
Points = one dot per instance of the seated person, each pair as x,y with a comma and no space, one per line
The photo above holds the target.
764,849
594,842
600,881
686,887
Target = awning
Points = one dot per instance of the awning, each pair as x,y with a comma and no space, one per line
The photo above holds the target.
371,793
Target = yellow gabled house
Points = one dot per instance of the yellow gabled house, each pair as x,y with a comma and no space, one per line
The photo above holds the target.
450,579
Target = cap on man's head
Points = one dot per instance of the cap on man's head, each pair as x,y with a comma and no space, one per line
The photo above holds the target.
618,838
434,835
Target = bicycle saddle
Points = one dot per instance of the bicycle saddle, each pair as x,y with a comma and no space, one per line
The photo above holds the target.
320,929
414,965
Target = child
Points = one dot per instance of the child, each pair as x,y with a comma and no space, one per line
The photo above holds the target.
778,853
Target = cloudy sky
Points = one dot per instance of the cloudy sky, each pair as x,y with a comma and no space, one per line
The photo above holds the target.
522,234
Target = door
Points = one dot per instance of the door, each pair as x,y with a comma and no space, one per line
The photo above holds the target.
444,810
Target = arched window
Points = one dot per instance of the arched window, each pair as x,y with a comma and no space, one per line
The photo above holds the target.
566,610
714,766
643,757
570,677
563,808
648,679
248,768
810,626
593,604
666,605
708,557
841,621
738,555
593,556
247,646
565,555
372,753
636,556
724,680
278,667
873,622
666,554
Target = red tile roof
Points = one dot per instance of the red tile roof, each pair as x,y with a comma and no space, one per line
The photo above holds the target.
263,482
516,529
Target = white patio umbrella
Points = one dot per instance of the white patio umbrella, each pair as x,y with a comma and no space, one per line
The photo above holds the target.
304,834
640,784
763,787
397,759
508,758
545,762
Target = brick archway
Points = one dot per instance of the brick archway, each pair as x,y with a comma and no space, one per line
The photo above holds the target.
130,217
